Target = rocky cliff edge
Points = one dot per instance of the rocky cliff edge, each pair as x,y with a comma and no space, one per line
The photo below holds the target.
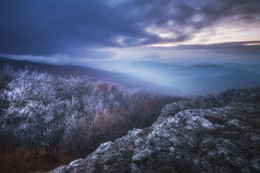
219,133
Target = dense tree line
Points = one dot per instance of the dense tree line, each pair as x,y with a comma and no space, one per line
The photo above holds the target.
75,112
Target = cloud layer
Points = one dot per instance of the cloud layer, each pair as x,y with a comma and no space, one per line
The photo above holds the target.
37,27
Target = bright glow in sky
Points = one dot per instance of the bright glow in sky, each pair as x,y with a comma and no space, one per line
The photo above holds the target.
223,33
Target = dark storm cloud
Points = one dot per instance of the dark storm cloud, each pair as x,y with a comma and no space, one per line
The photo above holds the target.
46,27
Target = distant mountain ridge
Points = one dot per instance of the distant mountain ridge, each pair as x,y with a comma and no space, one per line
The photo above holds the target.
122,80
198,78
250,68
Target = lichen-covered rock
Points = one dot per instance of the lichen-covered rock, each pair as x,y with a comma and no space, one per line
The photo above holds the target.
218,133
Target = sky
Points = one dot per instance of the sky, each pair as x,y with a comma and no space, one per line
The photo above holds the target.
101,32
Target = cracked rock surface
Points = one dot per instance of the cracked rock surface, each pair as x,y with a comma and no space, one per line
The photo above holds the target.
219,133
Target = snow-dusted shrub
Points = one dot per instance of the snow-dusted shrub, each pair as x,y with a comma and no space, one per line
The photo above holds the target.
73,112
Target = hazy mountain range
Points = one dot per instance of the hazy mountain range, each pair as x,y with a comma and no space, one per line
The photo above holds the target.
198,78
122,80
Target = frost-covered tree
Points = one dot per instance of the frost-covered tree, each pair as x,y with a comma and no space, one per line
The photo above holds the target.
34,110
73,112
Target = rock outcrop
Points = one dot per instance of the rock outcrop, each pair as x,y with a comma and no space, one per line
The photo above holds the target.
218,133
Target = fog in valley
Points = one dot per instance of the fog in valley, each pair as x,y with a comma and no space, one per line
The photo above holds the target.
192,79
